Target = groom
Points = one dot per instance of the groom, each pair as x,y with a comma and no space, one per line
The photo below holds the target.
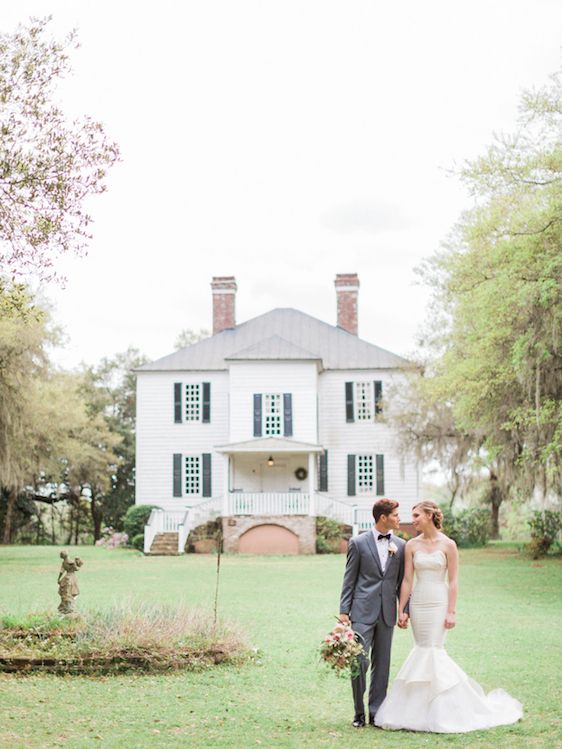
370,590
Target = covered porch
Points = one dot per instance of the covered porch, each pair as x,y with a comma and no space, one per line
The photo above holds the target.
269,476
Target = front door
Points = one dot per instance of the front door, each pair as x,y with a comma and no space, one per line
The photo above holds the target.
274,478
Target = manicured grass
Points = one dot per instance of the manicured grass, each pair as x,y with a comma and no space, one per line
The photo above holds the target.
508,635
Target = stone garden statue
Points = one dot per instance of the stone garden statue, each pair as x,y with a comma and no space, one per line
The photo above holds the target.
68,585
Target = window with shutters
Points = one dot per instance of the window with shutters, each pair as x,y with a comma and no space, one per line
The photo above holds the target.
193,402
272,414
192,474
363,401
365,474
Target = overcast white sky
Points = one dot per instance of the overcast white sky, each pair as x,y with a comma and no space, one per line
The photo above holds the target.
281,142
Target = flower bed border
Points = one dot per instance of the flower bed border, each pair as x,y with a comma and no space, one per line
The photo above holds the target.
118,662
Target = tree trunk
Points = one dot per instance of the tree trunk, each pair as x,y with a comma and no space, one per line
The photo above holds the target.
8,520
495,500
97,517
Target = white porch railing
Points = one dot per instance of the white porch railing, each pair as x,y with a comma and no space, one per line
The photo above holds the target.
333,508
268,503
160,521
363,519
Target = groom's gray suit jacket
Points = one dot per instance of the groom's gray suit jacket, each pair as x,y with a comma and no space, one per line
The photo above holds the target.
367,591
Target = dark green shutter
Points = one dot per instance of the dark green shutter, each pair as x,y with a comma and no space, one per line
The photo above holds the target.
378,398
177,402
351,475
206,418
287,414
349,402
257,414
380,475
177,474
207,488
323,472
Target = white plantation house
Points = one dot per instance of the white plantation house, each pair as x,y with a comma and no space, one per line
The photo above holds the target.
268,424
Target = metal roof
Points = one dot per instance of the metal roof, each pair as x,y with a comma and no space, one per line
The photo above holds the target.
281,331
273,347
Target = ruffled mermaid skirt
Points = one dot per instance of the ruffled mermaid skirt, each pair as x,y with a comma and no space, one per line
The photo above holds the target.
431,692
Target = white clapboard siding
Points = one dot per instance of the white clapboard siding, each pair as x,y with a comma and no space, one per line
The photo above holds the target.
158,437
401,478
296,377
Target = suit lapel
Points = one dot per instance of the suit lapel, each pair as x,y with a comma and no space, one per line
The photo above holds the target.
373,549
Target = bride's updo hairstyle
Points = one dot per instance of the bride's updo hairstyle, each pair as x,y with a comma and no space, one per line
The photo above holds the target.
431,509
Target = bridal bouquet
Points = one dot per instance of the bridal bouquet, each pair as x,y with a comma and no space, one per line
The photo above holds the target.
341,650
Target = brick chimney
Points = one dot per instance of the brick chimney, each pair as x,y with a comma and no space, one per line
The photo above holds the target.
347,289
224,297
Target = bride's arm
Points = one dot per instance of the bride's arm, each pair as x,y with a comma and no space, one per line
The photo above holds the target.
407,581
453,570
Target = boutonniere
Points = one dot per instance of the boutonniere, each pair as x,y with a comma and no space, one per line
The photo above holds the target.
392,548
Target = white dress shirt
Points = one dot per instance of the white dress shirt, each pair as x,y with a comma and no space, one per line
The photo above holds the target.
382,547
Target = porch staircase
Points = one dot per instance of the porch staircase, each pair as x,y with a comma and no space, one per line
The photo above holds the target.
164,545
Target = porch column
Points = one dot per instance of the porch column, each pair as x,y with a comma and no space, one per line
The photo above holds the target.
226,486
312,483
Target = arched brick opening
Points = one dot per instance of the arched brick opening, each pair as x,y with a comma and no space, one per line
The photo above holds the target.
268,539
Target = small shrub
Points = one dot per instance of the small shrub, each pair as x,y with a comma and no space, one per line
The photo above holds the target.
112,539
403,535
136,518
545,527
204,536
470,527
138,542
329,535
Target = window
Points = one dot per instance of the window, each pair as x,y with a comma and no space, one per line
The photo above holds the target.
192,474
365,474
271,414
363,400
192,402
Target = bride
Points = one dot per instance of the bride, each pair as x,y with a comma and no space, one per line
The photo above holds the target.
430,692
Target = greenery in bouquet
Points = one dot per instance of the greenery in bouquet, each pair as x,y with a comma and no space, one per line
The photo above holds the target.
341,650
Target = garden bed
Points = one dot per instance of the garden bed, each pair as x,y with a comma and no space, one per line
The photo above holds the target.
137,638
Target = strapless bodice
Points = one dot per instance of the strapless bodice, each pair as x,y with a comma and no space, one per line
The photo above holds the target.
430,566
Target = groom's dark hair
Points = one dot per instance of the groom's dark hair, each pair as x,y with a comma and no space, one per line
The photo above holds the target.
384,506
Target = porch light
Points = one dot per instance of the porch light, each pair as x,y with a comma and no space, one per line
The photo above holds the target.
270,461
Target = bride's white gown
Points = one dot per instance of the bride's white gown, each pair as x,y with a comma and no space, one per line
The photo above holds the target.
430,692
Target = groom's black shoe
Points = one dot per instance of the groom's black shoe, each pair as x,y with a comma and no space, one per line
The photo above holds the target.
371,720
358,721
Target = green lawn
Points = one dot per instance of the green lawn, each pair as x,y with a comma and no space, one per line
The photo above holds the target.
508,635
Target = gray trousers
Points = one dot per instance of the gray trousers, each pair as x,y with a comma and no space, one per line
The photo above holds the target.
377,640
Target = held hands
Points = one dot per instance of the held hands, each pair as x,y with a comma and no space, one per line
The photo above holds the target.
403,620
344,619
450,620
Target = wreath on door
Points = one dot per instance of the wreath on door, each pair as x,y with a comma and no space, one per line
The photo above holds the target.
301,474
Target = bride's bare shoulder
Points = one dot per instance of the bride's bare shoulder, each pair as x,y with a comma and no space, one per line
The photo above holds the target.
448,542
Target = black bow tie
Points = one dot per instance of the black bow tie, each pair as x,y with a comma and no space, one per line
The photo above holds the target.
383,535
